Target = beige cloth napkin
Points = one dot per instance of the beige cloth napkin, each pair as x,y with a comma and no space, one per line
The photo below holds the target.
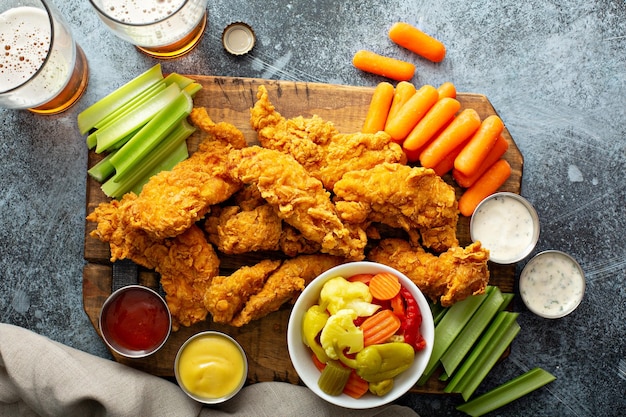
40,377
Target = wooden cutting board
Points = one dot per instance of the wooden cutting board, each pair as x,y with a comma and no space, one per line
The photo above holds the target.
230,99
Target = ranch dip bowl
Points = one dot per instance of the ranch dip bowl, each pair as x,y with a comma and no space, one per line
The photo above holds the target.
507,225
552,284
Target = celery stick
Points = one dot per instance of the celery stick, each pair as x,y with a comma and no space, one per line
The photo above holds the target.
507,392
127,107
497,327
485,339
193,88
507,300
103,169
475,327
108,137
92,140
448,329
488,359
97,111
438,312
116,188
166,164
151,134
178,79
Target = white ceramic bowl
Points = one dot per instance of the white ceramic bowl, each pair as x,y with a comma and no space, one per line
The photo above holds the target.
552,284
301,355
507,224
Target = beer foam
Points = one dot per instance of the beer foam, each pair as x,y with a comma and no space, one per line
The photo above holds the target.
140,11
25,38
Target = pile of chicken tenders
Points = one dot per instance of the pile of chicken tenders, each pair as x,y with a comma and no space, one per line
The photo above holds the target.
307,197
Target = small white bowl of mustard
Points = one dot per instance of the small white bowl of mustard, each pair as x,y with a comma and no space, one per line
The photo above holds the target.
552,284
211,367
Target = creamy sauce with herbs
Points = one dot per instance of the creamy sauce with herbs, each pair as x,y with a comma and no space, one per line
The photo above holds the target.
506,227
552,285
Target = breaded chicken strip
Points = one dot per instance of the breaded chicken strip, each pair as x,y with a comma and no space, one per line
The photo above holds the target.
299,199
283,285
174,200
236,231
402,197
227,294
187,263
450,277
292,243
317,145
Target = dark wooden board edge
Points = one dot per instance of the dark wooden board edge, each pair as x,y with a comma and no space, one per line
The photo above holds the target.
263,357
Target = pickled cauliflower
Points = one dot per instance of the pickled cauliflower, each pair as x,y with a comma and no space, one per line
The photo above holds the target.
339,293
340,332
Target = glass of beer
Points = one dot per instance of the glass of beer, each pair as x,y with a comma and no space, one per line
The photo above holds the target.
160,28
42,69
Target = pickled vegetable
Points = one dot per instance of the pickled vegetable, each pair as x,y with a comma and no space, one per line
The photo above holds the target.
338,294
334,378
341,333
314,321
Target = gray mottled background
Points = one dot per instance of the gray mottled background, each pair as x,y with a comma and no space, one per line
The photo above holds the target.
554,70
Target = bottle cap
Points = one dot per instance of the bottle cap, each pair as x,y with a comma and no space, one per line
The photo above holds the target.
238,38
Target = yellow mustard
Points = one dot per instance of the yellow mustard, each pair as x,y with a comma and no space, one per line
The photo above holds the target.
211,366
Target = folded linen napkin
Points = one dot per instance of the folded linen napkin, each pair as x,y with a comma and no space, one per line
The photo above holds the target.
40,377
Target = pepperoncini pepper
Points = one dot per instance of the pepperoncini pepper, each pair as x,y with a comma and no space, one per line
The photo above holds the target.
381,388
377,363
314,320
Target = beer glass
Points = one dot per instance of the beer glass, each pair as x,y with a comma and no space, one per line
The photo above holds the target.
42,69
160,28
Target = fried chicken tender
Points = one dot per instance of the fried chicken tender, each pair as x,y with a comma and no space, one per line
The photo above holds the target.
317,145
222,131
448,278
292,243
174,200
227,294
236,231
283,285
187,263
403,197
299,199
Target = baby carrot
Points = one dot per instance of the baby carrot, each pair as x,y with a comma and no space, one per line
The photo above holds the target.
436,118
447,163
479,145
447,89
411,112
404,91
412,156
384,286
379,327
458,131
378,108
486,185
496,153
416,41
384,66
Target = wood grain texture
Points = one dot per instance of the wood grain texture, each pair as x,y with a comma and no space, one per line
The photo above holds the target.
230,99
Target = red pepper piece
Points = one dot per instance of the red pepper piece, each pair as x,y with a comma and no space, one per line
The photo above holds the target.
413,316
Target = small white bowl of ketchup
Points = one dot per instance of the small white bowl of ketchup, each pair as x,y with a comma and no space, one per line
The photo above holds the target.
135,321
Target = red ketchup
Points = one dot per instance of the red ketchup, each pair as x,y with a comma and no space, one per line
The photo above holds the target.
136,320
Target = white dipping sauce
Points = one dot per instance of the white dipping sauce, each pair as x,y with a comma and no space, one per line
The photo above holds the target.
552,284
507,226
